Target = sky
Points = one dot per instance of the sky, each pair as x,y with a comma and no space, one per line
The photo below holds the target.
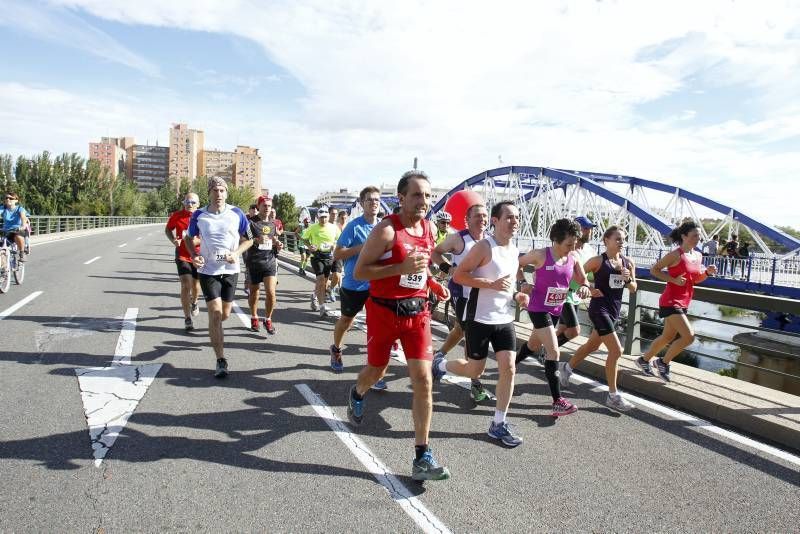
700,95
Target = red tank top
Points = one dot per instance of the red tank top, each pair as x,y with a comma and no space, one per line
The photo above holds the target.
691,267
407,285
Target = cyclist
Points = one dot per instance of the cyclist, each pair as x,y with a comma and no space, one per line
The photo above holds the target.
15,222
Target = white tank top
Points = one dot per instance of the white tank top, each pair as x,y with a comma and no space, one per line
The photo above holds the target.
489,306
458,258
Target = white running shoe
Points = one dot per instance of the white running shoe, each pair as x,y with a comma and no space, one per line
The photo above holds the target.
563,374
616,402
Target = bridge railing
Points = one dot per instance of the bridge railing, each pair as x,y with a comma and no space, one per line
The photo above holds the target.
290,241
49,224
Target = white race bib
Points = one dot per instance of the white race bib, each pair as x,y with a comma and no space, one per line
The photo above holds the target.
414,280
555,296
325,247
220,255
266,245
616,281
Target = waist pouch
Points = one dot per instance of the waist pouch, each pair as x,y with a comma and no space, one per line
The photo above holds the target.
403,307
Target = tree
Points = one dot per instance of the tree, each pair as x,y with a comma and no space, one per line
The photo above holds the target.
285,208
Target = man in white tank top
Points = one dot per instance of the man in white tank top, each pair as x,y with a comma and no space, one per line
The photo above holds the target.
490,270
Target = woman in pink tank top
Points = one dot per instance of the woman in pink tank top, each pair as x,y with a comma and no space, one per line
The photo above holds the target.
555,266
684,269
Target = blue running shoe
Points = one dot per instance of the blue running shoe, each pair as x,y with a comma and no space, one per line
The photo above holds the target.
663,369
502,432
437,374
336,359
355,408
426,468
644,366
380,385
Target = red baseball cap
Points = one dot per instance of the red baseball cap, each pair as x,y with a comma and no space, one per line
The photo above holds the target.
263,199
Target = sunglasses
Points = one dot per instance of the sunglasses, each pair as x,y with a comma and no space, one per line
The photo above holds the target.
11,198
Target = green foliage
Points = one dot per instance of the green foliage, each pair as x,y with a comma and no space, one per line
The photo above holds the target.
286,209
731,311
733,372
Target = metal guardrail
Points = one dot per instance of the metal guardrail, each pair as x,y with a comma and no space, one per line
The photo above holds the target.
290,241
50,224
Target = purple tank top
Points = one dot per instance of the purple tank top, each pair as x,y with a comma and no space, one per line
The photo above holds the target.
551,285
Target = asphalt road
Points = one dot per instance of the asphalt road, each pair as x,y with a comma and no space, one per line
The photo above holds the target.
250,453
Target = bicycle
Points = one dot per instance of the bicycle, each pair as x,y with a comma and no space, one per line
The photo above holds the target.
9,263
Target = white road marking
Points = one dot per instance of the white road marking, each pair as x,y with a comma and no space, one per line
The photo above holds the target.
122,245
243,317
8,311
412,506
691,419
92,260
111,394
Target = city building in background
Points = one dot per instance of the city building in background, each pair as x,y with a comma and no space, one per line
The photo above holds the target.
247,168
111,153
339,198
217,164
185,149
148,166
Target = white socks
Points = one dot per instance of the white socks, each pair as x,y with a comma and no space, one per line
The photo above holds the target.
499,417
443,366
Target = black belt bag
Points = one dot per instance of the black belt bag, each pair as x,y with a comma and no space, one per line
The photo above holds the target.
403,307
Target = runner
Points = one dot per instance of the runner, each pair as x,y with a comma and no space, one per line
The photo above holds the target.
177,224
684,270
339,218
301,246
354,293
15,222
612,273
489,270
443,226
568,327
320,239
224,233
395,261
262,264
459,244
555,266
252,211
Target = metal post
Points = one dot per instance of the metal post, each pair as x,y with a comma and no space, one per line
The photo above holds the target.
633,343
774,268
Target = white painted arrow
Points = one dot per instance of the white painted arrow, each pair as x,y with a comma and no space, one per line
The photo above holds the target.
111,394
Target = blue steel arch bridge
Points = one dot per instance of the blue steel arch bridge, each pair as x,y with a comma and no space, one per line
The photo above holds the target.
648,210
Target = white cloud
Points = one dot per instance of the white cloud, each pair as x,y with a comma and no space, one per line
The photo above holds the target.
458,83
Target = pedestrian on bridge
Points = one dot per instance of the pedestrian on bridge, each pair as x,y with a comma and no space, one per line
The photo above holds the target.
224,233
684,269
555,267
613,272
395,260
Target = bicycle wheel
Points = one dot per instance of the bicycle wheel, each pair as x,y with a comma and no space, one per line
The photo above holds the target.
19,270
5,273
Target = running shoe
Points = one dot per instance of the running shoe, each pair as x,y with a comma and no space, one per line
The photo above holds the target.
328,296
478,392
336,359
246,290
563,374
616,402
314,303
23,257
437,374
323,311
380,385
355,408
268,326
644,366
301,271
563,407
426,468
188,325
502,432
663,369
254,324
195,309
222,368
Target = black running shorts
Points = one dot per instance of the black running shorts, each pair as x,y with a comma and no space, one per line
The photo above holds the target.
219,286
477,337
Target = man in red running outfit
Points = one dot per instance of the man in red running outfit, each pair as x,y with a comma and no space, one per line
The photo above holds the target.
395,260
175,231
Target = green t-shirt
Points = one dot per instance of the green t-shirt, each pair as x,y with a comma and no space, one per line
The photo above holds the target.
585,253
322,237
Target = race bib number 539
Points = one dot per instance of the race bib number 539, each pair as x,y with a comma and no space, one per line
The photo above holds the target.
414,280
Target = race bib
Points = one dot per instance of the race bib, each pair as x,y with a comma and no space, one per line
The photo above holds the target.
325,247
220,255
555,296
414,280
267,245
616,281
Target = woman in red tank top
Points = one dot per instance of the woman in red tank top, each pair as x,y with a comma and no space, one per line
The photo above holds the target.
684,269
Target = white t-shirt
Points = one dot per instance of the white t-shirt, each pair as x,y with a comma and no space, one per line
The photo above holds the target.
219,235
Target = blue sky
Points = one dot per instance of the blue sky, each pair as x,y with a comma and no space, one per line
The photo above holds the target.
342,94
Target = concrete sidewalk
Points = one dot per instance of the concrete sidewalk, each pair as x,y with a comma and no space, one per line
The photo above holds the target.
761,412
